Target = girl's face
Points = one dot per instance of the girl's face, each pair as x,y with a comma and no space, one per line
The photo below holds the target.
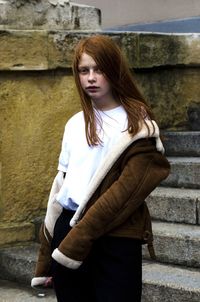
95,84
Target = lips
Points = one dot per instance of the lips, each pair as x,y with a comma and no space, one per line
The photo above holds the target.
92,88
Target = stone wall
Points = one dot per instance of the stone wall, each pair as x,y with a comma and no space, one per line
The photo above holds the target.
38,95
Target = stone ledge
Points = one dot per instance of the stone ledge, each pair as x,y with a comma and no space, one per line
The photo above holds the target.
44,49
13,233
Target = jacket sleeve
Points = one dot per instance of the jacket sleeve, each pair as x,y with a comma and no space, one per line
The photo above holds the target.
44,258
114,206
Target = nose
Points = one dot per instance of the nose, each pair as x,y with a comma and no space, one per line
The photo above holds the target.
91,76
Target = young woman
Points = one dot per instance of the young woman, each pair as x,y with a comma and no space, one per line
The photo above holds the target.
111,160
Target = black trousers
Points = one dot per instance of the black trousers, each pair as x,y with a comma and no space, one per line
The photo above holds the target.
111,273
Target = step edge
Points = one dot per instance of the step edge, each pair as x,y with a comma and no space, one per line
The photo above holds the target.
175,269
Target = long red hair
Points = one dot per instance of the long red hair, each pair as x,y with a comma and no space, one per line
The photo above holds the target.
110,60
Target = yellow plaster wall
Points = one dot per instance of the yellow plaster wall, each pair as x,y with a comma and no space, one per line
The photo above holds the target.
38,95
34,108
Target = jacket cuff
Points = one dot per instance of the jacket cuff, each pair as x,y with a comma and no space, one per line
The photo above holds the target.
38,281
65,261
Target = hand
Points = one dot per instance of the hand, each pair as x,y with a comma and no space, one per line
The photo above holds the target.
49,282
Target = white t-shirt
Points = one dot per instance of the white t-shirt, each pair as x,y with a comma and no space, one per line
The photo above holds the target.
79,160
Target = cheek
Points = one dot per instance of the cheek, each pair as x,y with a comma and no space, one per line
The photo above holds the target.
82,81
105,83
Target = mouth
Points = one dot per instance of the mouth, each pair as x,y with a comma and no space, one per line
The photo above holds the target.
92,88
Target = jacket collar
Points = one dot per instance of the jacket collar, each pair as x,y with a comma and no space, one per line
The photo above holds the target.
148,129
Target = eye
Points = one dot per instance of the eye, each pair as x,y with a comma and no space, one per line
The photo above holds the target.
98,70
83,70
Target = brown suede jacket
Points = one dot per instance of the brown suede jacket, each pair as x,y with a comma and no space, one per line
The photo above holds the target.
115,207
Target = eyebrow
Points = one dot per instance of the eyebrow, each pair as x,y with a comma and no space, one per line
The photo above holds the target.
87,66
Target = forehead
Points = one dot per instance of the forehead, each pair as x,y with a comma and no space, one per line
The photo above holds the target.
86,60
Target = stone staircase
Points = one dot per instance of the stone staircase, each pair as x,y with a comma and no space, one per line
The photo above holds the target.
175,209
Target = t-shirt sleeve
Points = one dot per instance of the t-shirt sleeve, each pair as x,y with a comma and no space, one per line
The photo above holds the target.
64,154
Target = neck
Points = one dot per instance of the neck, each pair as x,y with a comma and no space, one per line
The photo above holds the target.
105,105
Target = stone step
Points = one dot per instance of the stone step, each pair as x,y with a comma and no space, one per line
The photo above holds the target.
176,243
182,143
15,292
185,173
17,263
160,281
165,283
175,205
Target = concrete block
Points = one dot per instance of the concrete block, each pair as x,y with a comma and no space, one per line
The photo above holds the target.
176,243
174,205
184,172
182,143
164,283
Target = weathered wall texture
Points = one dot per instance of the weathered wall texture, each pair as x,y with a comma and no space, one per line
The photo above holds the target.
34,107
48,14
171,93
37,96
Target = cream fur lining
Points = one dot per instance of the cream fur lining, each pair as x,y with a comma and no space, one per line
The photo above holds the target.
38,281
111,158
54,209
64,260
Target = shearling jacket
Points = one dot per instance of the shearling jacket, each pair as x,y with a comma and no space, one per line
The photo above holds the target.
115,204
